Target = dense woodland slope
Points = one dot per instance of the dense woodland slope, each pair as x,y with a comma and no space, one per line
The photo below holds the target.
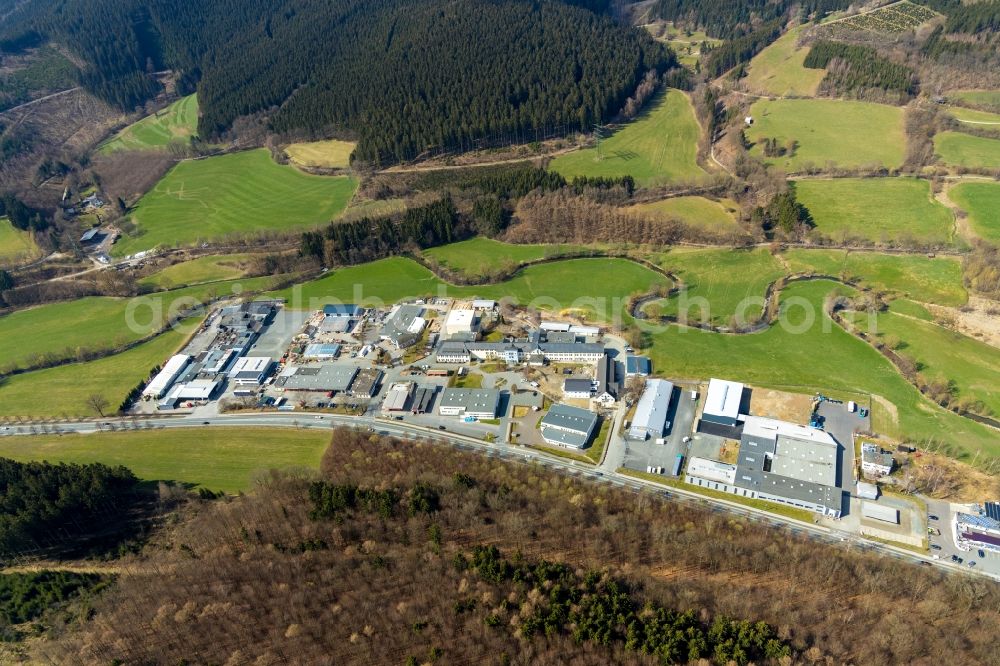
402,76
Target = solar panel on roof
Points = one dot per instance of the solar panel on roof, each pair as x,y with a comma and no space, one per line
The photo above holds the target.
993,510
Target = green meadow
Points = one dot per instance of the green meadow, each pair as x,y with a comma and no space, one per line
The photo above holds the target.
877,209
480,256
982,202
660,146
692,210
212,268
63,391
15,245
846,133
239,193
215,458
989,99
778,70
974,116
175,124
965,150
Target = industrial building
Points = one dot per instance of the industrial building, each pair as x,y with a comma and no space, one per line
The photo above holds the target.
366,383
397,398
867,490
483,304
568,426
320,351
875,463
979,530
880,512
460,322
637,366
779,462
423,396
343,311
578,389
160,384
477,403
327,378
605,381
537,353
651,413
554,326
722,403
404,325
250,370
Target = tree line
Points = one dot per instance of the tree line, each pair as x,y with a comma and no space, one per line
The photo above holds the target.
22,216
732,19
853,68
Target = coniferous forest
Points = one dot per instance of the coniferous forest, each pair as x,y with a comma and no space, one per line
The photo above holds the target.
400,76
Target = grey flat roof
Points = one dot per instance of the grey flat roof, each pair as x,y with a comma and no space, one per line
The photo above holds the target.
575,439
471,400
342,310
566,417
329,377
637,365
782,486
577,385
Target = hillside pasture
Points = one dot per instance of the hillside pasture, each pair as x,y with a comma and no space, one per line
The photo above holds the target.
239,193
481,256
778,69
175,124
984,99
224,459
985,119
964,150
211,268
658,147
883,210
687,44
331,154
700,212
982,202
16,246
846,133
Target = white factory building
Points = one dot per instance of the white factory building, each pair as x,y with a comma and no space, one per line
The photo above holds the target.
171,370
651,412
250,370
722,402
459,322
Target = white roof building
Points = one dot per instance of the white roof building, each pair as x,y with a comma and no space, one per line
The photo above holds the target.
722,403
459,321
250,370
713,470
886,514
397,396
165,377
651,412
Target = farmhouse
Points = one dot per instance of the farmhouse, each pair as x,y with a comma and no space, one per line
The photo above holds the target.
722,404
250,370
326,378
651,413
779,462
403,326
568,426
477,403
460,322
166,376
577,388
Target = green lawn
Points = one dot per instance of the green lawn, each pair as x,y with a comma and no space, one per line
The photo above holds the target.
596,287
686,44
239,193
945,355
64,390
214,458
692,210
658,147
724,281
974,116
984,98
933,280
974,152
176,123
479,256
100,322
846,133
823,357
778,70
876,209
982,202
212,268
15,245
330,154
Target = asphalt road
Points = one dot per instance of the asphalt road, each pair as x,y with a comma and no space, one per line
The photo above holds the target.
499,450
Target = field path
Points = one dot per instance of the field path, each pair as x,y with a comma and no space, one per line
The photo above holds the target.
452,167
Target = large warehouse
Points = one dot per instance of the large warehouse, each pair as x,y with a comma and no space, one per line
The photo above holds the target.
459,322
250,370
403,326
568,426
722,403
165,377
779,462
651,412
477,403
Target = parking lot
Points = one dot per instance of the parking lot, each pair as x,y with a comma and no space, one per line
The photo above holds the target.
641,455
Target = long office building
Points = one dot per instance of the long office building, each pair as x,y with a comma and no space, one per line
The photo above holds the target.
517,352
477,403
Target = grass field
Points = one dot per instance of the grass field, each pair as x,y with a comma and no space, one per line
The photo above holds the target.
479,256
695,211
330,154
989,99
820,356
658,147
63,391
198,271
982,202
100,322
724,281
176,123
239,193
847,133
974,152
214,458
778,70
945,355
685,43
15,245
932,280
974,116
597,288
876,209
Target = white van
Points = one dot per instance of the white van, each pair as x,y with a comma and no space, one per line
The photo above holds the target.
851,406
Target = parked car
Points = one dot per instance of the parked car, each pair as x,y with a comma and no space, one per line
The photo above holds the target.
932,517
441,428
981,552
972,563
934,546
